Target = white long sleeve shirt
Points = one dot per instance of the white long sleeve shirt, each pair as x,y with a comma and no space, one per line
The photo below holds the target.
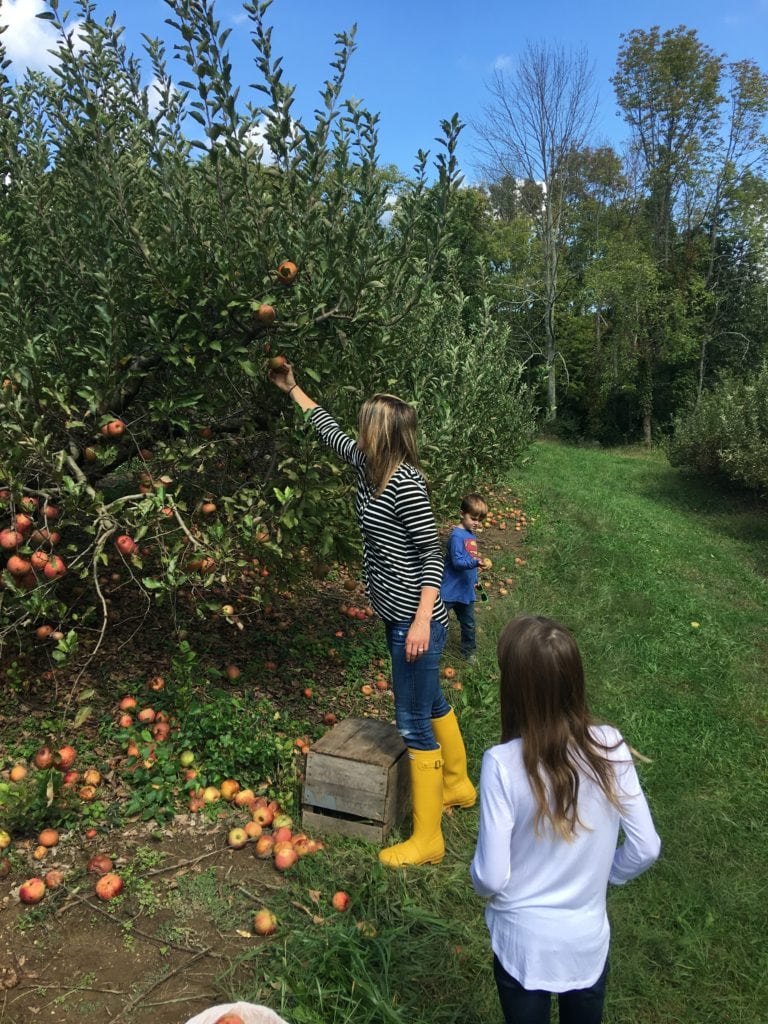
546,912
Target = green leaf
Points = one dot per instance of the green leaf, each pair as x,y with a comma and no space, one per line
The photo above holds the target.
82,716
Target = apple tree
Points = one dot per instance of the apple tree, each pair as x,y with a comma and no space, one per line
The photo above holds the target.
157,245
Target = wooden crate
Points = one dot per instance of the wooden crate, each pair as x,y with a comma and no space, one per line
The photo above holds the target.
357,781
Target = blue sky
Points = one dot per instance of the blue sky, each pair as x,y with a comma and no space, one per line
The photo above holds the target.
419,61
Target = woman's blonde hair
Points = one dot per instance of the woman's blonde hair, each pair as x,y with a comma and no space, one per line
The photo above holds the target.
387,437
543,702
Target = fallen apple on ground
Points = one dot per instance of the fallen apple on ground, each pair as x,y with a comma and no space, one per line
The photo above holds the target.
264,922
109,886
32,891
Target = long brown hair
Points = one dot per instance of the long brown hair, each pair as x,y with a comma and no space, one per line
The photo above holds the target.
387,436
543,702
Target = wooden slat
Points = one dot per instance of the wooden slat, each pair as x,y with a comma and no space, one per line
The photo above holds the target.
325,824
362,739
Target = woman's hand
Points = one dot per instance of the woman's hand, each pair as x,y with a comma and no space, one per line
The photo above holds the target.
417,640
282,376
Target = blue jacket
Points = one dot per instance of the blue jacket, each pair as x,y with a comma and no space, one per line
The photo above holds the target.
460,570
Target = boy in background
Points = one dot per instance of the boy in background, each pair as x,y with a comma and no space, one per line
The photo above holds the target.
460,570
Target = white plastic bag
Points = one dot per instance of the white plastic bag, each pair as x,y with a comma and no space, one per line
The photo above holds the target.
250,1012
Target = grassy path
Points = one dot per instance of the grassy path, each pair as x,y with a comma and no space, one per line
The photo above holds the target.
629,554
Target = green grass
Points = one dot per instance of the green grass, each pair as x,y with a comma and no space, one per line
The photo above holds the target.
628,553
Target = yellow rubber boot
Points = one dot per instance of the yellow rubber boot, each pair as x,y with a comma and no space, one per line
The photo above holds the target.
458,791
426,844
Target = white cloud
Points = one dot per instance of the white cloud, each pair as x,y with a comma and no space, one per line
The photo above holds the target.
28,40
502,63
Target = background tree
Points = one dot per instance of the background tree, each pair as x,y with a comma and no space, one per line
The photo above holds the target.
537,119
697,126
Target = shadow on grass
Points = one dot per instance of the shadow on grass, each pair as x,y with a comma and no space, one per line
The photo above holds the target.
719,505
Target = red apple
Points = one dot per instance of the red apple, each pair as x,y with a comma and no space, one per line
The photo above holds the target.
54,568
48,837
146,715
127,703
126,545
263,815
32,891
286,858
64,758
109,886
244,797
340,901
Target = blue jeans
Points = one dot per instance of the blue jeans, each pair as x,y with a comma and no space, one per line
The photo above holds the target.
416,685
465,613
532,1006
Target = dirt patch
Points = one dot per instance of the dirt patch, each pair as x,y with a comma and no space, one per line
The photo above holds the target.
159,953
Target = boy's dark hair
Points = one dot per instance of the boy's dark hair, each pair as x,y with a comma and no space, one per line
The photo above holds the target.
474,504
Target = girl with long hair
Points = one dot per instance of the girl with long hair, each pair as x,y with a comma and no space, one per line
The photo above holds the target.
553,795
402,570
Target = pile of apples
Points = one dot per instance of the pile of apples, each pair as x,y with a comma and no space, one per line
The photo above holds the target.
28,542
62,759
269,829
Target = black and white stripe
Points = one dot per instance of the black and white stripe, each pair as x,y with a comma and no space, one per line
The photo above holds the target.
401,549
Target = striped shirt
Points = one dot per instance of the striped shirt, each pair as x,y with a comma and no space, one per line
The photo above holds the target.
401,549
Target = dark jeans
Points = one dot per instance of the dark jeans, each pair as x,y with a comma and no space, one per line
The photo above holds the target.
465,613
416,685
532,1006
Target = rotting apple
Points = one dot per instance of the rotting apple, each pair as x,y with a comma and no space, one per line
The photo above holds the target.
263,847
48,837
43,758
17,773
53,878
244,798
128,703
287,271
100,864
92,777
252,829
